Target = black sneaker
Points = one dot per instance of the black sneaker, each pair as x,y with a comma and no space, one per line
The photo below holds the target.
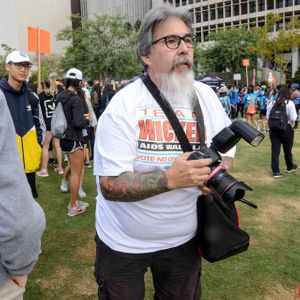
277,175
295,167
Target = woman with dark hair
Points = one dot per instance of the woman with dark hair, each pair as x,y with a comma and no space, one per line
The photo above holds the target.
282,137
48,102
78,119
107,93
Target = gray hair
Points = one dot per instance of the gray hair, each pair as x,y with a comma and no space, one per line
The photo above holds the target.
152,19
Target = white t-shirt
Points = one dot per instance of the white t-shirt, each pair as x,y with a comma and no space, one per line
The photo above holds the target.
134,135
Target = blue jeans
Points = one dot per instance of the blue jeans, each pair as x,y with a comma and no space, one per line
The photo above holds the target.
175,272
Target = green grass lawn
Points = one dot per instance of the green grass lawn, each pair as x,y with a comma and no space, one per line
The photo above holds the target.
270,269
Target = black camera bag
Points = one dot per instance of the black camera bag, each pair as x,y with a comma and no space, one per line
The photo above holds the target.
219,235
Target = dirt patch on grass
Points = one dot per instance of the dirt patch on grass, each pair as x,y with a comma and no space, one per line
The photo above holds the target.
64,279
87,251
57,279
279,292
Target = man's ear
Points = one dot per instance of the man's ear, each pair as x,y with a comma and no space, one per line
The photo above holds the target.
7,67
146,59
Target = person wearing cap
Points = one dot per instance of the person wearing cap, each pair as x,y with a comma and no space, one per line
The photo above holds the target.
26,113
295,96
78,119
224,99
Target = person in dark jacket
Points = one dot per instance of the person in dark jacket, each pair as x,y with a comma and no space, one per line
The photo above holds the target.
26,113
78,120
107,93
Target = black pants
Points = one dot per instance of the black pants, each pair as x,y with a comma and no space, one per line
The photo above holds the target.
31,181
240,109
175,272
284,138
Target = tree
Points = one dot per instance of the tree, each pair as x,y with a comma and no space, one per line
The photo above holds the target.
225,50
104,47
50,63
7,49
273,46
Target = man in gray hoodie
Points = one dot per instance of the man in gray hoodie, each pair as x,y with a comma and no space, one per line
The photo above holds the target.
22,220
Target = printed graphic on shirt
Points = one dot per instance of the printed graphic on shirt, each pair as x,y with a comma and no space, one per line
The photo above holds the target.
157,141
49,106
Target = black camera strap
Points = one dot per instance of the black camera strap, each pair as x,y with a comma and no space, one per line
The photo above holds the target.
169,112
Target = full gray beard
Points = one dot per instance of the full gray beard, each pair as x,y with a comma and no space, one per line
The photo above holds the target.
178,89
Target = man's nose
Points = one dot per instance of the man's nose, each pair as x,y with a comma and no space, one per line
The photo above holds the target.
183,47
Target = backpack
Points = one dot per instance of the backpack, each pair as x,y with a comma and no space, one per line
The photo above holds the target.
59,123
278,118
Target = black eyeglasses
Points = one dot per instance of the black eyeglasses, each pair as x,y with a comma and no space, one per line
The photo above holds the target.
173,41
19,66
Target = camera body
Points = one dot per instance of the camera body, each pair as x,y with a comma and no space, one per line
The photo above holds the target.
220,181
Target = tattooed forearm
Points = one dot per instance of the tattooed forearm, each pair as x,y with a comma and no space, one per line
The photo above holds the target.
129,187
227,162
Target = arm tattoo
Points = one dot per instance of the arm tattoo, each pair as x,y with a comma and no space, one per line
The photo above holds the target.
130,187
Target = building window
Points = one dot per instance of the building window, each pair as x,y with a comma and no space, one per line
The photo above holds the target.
261,5
236,10
236,24
252,6
205,14
227,10
288,2
297,2
198,15
177,2
228,25
270,4
252,22
191,1
279,3
261,21
244,8
212,10
191,11
220,12
183,2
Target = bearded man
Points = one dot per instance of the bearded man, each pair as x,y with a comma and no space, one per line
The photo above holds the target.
147,189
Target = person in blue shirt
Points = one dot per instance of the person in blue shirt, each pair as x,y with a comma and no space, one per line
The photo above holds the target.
295,96
224,99
232,93
263,109
250,107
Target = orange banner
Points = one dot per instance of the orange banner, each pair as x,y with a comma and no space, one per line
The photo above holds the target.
36,34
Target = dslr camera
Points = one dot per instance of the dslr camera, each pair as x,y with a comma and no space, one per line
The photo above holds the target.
220,181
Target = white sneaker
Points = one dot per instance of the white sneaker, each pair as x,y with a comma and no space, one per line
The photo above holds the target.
81,193
64,187
80,203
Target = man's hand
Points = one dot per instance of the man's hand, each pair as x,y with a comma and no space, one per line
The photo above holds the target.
188,173
19,280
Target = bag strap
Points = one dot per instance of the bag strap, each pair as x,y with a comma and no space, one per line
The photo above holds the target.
169,112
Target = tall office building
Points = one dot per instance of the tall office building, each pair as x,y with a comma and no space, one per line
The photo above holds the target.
132,10
211,15
17,15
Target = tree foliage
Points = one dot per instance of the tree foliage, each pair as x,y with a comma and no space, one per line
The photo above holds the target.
7,49
102,47
273,46
225,51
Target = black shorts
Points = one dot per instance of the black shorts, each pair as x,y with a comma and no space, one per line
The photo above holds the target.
48,126
262,112
70,146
